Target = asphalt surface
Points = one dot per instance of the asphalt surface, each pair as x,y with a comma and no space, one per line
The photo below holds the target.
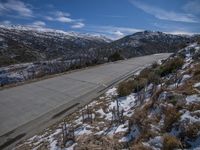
29,108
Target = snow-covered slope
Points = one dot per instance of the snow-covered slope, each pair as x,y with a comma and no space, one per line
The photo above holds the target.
20,44
160,114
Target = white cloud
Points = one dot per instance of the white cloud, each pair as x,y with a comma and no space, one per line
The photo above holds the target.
176,29
64,19
49,18
16,6
78,25
114,16
118,33
39,23
112,32
181,32
6,22
164,14
60,16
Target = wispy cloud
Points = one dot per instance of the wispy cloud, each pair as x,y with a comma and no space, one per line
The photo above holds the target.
181,33
112,32
65,17
39,23
16,6
192,6
78,25
165,14
60,16
118,33
114,16
5,22
176,28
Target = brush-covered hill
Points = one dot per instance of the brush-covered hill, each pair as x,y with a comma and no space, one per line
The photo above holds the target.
19,44
148,42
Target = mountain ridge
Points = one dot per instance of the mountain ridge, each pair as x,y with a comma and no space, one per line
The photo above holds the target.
26,53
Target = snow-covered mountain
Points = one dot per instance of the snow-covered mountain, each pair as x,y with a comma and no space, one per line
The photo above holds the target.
148,42
26,44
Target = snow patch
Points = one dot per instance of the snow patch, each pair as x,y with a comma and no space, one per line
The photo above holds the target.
122,128
83,130
197,85
111,92
192,99
190,117
156,142
132,135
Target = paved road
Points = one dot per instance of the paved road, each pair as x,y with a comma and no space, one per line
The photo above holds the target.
30,106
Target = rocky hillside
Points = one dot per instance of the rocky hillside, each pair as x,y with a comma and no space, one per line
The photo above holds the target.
156,109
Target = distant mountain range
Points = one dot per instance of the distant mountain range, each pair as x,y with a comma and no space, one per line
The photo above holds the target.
29,53
19,44
148,42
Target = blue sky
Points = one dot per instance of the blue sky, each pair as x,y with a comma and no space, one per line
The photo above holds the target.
114,18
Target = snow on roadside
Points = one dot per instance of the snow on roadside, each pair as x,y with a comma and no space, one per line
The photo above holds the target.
85,129
156,142
192,99
111,92
132,135
71,147
185,77
197,85
122,127
124,102
191,117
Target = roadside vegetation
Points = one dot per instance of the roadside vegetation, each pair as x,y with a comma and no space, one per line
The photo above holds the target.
115,57
149,75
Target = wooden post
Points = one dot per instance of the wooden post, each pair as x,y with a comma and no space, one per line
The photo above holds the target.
83,118
118,113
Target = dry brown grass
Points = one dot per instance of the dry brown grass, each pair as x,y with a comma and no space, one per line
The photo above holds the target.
193,107
140,115
196,70
127,87
187,88
141,119
94,142
171,142
191,131
170,66
171,116
140,146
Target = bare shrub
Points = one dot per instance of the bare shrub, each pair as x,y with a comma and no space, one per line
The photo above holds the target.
140,146
171,142
171,116
170,66
191,131
125,88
